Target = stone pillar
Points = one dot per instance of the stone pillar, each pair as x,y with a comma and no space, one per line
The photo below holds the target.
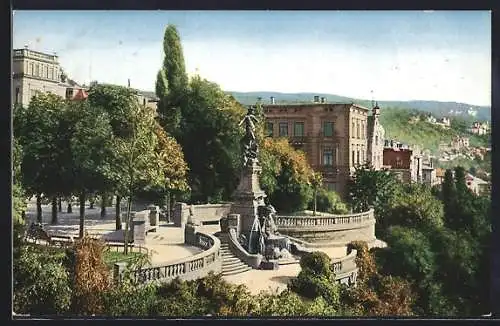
118,270
233,222
154,215
180,214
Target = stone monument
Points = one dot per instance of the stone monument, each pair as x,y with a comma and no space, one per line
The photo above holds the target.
257,231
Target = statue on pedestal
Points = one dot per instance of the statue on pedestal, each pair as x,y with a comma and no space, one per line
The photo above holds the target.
250,148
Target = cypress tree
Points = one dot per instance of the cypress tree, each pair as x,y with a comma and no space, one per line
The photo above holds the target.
448,192
171,82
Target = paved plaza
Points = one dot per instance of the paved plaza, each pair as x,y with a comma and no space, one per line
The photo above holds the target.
167,244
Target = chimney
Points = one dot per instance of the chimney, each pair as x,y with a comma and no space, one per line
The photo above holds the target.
316,99
323,100
273,100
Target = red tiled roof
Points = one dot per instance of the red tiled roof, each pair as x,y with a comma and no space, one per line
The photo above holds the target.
80,95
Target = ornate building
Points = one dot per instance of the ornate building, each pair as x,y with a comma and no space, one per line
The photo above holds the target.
336,137
36,71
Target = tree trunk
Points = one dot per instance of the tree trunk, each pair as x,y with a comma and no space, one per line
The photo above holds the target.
54,210
127,225
118,218
168,206
82,213
315,202
39,208
103,206
59,204
69,209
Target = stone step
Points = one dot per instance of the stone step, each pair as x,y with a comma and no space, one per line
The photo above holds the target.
232,266
229,264
235,271
230,259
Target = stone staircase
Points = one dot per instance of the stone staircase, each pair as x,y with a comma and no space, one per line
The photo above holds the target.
231,265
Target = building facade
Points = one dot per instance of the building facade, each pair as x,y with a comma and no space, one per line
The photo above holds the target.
34,72
334,136
405,162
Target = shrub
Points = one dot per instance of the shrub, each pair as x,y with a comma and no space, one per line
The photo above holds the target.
316,278
41,284
329,202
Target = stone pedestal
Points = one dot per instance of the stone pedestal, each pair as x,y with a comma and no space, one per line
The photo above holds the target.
247,197
154,215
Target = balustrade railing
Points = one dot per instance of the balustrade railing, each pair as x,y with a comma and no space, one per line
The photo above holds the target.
187,267
327,220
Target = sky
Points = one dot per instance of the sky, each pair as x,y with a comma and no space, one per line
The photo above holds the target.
399,55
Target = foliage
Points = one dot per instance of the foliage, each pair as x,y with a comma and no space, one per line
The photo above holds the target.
417,207
172,81
329,202
286,176
370,188
90,276
376,294
214,159
316,278
41,284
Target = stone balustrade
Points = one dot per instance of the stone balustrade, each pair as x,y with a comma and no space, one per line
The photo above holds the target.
329,228
188,268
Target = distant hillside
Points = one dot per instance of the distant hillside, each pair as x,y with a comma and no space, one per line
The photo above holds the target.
438,109
397,125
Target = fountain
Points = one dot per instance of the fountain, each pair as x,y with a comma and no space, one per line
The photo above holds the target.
255,229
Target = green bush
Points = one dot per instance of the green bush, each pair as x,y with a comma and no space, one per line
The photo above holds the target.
328,202
41,284
316,278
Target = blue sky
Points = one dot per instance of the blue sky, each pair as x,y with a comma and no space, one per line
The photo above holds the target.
412,55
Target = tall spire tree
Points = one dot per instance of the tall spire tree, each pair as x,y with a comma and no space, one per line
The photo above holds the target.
172,81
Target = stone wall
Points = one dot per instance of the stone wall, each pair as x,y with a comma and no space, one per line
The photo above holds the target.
331,230
202,213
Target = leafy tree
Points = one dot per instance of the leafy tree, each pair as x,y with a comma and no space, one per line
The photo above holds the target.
371,188
139,165
119,103
214,159
172,81
286,176
37,130
417,208
94,154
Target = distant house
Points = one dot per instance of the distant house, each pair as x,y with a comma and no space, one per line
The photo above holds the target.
431,119
440,175
477,185
480,128
405,162
429,175
443,122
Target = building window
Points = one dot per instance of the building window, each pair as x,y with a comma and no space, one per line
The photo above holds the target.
17,95
298,129
358,156
357,130
353,157
47,72
328,157
37,70
269,129
31,69
51,73
328,129
363,130
69,93
283,129
353,129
